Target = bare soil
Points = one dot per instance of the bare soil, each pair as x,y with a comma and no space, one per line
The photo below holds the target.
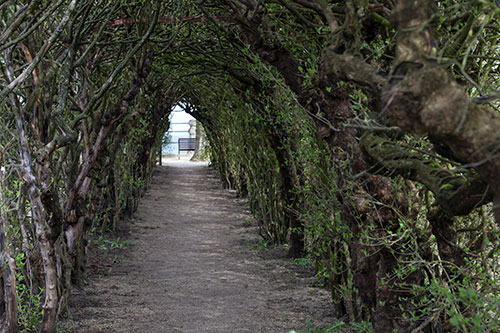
197,265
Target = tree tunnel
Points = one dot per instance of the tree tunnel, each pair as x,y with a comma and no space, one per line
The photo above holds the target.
364,135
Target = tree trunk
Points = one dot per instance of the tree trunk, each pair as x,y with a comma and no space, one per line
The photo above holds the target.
39,215
290,186
370,263
8,323
427,100
197,150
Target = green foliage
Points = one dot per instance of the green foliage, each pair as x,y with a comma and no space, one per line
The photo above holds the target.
246,161
111,244
301,262
259,130
29,299
261,245
338,327
363,326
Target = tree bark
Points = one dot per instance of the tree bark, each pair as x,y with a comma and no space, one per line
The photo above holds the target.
8,323
427,100
197,150
39,214
290,187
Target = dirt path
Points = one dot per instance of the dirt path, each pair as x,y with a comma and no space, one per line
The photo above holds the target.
197,265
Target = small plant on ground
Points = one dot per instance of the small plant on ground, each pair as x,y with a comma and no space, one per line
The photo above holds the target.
301,262
338,327
110,244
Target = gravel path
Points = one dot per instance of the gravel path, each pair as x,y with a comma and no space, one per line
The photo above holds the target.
197,265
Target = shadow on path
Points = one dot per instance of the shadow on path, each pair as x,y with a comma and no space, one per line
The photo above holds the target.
197,265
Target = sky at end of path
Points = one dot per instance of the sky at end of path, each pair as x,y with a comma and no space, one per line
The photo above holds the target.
178,129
